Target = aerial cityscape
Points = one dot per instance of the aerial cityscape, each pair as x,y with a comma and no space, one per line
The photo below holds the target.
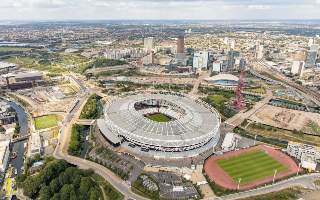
150,99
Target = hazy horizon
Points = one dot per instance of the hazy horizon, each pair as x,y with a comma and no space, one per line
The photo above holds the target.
38,10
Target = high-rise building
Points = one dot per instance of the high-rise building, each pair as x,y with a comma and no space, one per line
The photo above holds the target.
311,59
242,64
148,59
297,68
148,44
217,66
259,52
314,47
232,55
180,44
311,42
200,60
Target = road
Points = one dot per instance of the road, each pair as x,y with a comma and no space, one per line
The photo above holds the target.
62,153
196,85
305,181
314,96
241,116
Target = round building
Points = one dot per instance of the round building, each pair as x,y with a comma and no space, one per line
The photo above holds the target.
161,123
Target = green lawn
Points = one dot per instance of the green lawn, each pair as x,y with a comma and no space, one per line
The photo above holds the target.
158,117
14,49
251,166
217,99
46,121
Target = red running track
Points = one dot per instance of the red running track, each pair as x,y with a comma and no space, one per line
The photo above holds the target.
221,178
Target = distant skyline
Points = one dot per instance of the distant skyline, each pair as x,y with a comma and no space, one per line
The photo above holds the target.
158,9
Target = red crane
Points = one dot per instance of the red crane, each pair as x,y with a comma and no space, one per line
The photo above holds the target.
239,101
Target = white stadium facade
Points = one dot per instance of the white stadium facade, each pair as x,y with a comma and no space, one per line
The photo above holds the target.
193,126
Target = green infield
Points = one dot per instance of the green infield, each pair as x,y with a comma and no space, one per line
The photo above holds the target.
250,166
46,121
159,117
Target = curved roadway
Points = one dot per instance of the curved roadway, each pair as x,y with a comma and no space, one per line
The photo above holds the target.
62,153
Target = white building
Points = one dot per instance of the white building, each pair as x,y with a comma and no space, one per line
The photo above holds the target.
314,47
200,60
311,42
230,142
297,68
148,59
148,44
4,154
259,52
35,144
308,155
217,66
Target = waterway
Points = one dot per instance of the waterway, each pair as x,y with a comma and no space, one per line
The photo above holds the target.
19,147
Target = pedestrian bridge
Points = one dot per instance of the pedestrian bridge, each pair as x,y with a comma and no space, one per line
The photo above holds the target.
20,138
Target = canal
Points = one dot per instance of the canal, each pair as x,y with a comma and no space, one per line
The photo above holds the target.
19,147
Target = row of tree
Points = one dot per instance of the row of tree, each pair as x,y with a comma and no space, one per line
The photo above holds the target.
77,139
104,62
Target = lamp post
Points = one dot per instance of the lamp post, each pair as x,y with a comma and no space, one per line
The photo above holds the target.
274,176
239,181
298,168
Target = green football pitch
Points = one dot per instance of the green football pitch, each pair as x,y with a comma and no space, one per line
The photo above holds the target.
250,166
158,117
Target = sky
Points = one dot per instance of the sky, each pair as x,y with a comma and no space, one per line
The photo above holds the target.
158,9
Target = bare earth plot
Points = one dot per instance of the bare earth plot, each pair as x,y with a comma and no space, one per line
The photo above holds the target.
287,119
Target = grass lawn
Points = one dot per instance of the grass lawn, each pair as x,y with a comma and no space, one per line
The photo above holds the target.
46,121
251,166
158,117
14,49
217,99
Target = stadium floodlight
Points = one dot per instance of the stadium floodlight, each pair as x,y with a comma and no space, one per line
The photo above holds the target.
239,181
274,176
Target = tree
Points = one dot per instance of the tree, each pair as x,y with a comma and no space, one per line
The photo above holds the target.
44,193
85,185
54,185
66,191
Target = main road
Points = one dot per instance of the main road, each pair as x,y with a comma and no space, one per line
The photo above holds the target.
61,152
306,181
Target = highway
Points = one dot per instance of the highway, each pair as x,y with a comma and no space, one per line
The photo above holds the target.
61,152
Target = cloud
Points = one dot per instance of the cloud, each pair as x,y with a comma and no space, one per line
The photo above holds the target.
159,9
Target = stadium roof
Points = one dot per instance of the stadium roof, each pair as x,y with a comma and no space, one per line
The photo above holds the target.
219,77
193,122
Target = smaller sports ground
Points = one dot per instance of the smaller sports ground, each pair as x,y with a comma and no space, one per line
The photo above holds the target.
249,167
